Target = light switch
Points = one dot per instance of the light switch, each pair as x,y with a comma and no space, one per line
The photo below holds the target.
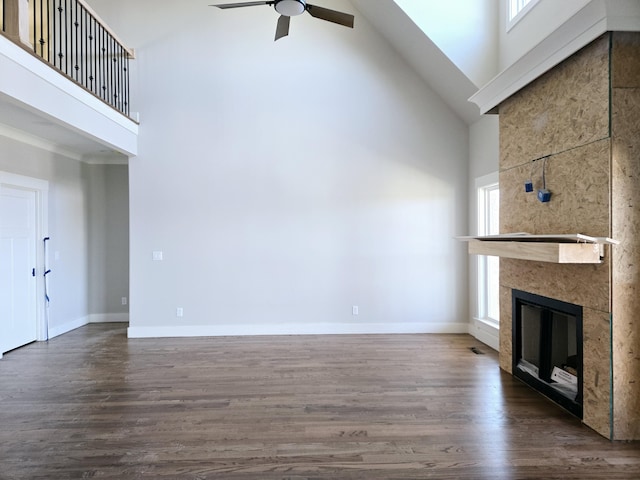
157,256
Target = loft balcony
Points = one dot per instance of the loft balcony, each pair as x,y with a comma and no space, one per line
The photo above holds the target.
65,79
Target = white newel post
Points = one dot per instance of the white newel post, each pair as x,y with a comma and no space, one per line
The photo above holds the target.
16,17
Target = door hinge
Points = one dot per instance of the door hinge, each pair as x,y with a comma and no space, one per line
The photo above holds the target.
33,272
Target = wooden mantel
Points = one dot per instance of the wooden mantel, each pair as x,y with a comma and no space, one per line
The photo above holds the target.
571,248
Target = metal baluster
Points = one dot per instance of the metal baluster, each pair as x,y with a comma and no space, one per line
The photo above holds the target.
95,55
126,78
97,60
103,75
109,80
48,32
107,66
85,29
121,70
35,29
36,41
112,66
76,50
60,54
53,41
120,82
67,58
92,54
41,41
69,37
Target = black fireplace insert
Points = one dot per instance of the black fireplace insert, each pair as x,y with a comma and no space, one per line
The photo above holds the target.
547,348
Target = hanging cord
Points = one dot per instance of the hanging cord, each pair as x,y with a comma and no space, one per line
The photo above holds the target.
47,271
544,195
533,166
528,184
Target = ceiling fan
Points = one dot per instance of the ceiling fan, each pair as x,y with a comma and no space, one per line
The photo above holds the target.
292,8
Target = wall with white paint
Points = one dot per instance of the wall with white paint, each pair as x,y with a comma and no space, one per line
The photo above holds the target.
286,182
88,230
465,30
108,247
545,17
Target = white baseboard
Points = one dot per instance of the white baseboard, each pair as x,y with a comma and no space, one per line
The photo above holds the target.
108,317
68,326
295,329
486,333
82,321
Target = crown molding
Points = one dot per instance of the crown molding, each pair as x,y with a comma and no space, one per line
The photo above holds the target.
595,19
29,139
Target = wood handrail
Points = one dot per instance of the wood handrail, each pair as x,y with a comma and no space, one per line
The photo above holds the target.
73,38
14,15
130,51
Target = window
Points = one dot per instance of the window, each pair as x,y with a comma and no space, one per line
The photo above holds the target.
517,9
488,267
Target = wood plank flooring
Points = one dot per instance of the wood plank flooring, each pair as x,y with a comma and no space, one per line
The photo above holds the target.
94,404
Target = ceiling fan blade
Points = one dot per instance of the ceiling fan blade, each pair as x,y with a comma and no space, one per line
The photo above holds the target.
282,30
245,4
331,15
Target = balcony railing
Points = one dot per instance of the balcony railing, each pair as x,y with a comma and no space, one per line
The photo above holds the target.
69,36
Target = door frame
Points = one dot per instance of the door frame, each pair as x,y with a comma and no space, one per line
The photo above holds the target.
41,189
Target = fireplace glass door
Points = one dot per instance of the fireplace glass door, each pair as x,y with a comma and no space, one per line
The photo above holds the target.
548,347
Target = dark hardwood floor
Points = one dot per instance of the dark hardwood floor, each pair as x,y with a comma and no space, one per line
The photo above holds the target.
94,404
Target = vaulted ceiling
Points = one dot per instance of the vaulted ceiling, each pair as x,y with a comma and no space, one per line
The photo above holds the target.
408,40
437,70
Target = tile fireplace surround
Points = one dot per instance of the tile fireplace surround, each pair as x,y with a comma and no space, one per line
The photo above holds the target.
583,116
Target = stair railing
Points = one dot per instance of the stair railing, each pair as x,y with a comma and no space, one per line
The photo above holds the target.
69,36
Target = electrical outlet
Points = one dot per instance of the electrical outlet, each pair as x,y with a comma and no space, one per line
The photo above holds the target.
355,310
158,256
124,300
528,186
179,312
544,195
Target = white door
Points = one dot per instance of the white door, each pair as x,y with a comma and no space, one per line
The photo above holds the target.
18,313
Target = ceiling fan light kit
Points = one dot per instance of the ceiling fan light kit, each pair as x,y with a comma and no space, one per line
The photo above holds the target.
290,8
293,8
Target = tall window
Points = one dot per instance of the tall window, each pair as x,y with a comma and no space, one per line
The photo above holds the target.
516,9
488,266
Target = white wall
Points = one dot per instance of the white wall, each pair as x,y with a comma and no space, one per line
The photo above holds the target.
30,84
67,228
484,159
484,148
545,17
465,30
285,182
108,247
88,249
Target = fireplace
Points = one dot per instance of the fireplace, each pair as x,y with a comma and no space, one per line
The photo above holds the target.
547,347
582,117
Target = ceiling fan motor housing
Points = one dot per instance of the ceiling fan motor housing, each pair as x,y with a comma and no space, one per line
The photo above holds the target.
290,8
